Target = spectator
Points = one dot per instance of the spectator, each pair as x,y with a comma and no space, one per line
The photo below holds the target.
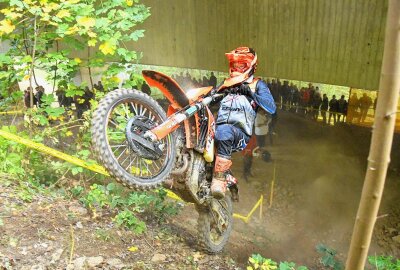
365,103
27,98
279,90
305,99
311,92
374,105
291,95
82,103
269,84
275,91
296,98
285,93
333,109
352,108
146,88
213,80
261,128
317,90
87,96
39,95
100,86
248,158
205,81
61,96
342,107
271,126
324,107
317,100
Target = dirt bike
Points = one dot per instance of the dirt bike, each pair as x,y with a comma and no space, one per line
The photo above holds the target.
142,147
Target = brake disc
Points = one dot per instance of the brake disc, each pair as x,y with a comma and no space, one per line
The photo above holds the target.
143,147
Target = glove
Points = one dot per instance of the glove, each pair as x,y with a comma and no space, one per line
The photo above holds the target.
244,89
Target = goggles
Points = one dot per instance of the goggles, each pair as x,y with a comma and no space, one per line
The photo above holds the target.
241,60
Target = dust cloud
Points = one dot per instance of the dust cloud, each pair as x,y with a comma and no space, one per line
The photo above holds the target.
319,176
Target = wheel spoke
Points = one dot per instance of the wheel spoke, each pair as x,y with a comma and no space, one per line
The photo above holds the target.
112,122
122,163
118,145
126,112
121,154
134,108
130,161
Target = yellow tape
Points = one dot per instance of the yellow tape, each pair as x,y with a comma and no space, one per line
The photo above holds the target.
246,218
95,167
11,112
47,150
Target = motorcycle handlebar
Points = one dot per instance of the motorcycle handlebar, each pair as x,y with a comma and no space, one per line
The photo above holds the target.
210,99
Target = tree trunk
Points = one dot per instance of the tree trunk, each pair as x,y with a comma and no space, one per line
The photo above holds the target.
90,72
381,142
32,69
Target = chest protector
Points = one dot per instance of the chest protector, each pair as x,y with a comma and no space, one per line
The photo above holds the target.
238,110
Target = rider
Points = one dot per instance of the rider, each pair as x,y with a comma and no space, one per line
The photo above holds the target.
236,116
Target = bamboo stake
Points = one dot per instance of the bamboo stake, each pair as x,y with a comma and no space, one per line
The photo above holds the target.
381,142
271,195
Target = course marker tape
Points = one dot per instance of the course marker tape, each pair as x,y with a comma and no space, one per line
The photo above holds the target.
11,112
246,218
99,169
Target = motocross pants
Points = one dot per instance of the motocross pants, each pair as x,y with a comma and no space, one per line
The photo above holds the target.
229,139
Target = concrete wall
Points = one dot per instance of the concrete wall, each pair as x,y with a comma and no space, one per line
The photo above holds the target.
328,41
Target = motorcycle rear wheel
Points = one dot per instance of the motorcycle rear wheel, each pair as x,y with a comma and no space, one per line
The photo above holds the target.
110,140
214,236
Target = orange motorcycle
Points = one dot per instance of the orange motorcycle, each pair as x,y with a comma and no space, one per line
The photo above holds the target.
142,146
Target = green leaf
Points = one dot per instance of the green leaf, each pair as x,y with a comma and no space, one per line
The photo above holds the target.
5,59
48,99
74,43
14,158
302,268
136,35
287,266
55,112
111,187
61,29
17,3
76,170
328,260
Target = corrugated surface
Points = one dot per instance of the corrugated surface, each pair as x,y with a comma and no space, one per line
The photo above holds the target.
329,41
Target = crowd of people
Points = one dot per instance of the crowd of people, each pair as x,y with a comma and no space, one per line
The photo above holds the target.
188,82
310,102
36,97
306,101
82,103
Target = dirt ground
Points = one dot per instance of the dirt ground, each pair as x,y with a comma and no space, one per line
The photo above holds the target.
319,175
52,232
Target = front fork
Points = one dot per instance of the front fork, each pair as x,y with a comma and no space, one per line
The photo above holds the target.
173,122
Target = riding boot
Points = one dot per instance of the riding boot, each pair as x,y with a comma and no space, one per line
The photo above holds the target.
218,184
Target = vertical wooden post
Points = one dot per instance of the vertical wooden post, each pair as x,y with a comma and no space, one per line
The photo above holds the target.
381,142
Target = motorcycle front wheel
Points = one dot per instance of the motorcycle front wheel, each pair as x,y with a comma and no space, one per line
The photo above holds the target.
121,116
215,224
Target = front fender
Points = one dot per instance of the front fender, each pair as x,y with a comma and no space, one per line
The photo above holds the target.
168,86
